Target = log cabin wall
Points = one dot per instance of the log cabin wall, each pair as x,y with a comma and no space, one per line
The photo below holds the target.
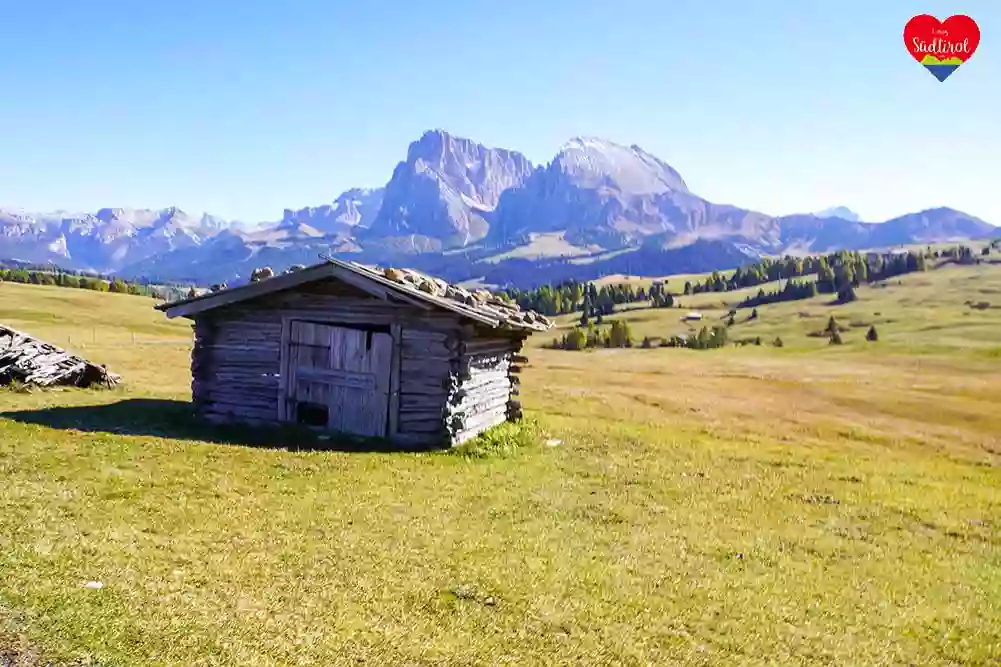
487,380
429,365
236,362
235,367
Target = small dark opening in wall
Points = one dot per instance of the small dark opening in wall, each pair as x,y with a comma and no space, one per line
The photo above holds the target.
368,341
311,414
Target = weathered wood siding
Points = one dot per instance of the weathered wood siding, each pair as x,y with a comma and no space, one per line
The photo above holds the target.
235,368
429,365
236,363
487,380
340,376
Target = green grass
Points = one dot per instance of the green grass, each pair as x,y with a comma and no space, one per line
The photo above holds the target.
808,505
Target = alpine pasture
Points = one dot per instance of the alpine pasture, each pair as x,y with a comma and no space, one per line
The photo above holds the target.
811,504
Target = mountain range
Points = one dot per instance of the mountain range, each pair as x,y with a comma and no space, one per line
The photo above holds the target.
467,212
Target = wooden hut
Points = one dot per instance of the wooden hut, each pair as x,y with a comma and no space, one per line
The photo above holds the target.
388,354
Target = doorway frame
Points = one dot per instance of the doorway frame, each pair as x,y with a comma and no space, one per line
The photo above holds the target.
395,332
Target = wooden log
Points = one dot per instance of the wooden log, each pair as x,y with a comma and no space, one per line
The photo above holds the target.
437,367
476,378
239,377
519,359
420,424
231,419
486,404
241,349
469,349
417,403
242,408
239,397
204,387
253,372
476,374
470,429
514,369
421,440
438,352
431,387
239,412
482,395
411,334
488,358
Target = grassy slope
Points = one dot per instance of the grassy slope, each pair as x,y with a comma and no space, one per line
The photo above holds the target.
809,505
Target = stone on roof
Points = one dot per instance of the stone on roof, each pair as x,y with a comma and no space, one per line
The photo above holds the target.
479,300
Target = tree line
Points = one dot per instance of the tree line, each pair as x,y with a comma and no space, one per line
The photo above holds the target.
837,273
75,280
572,297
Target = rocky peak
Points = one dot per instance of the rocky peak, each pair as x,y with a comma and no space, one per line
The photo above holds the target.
353,208
446,187
110,214
471,169
592,162
842,212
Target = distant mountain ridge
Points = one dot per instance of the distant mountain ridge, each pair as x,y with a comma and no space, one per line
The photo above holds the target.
466,211
842,212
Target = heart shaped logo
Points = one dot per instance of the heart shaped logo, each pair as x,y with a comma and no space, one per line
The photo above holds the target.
941,46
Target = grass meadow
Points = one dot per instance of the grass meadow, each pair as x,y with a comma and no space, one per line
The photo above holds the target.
804,505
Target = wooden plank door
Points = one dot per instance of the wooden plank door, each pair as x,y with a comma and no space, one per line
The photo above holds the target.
342,372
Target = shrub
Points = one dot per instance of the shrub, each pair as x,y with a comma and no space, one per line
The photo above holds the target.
575,339
619,335
872,336
500,441
778,342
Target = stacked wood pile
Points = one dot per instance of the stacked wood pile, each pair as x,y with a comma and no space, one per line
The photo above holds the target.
484,386
33,362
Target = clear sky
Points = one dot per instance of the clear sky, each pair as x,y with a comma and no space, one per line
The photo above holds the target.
245,108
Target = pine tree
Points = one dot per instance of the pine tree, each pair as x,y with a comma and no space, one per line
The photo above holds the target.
847,294
872,336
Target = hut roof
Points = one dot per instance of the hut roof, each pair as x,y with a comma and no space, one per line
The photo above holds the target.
404,285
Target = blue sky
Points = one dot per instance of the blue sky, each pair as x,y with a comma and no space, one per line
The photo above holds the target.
245,108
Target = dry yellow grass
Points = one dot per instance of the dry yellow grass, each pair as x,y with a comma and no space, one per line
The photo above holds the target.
808,505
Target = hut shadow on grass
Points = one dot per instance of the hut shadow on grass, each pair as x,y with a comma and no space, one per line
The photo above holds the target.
161,418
